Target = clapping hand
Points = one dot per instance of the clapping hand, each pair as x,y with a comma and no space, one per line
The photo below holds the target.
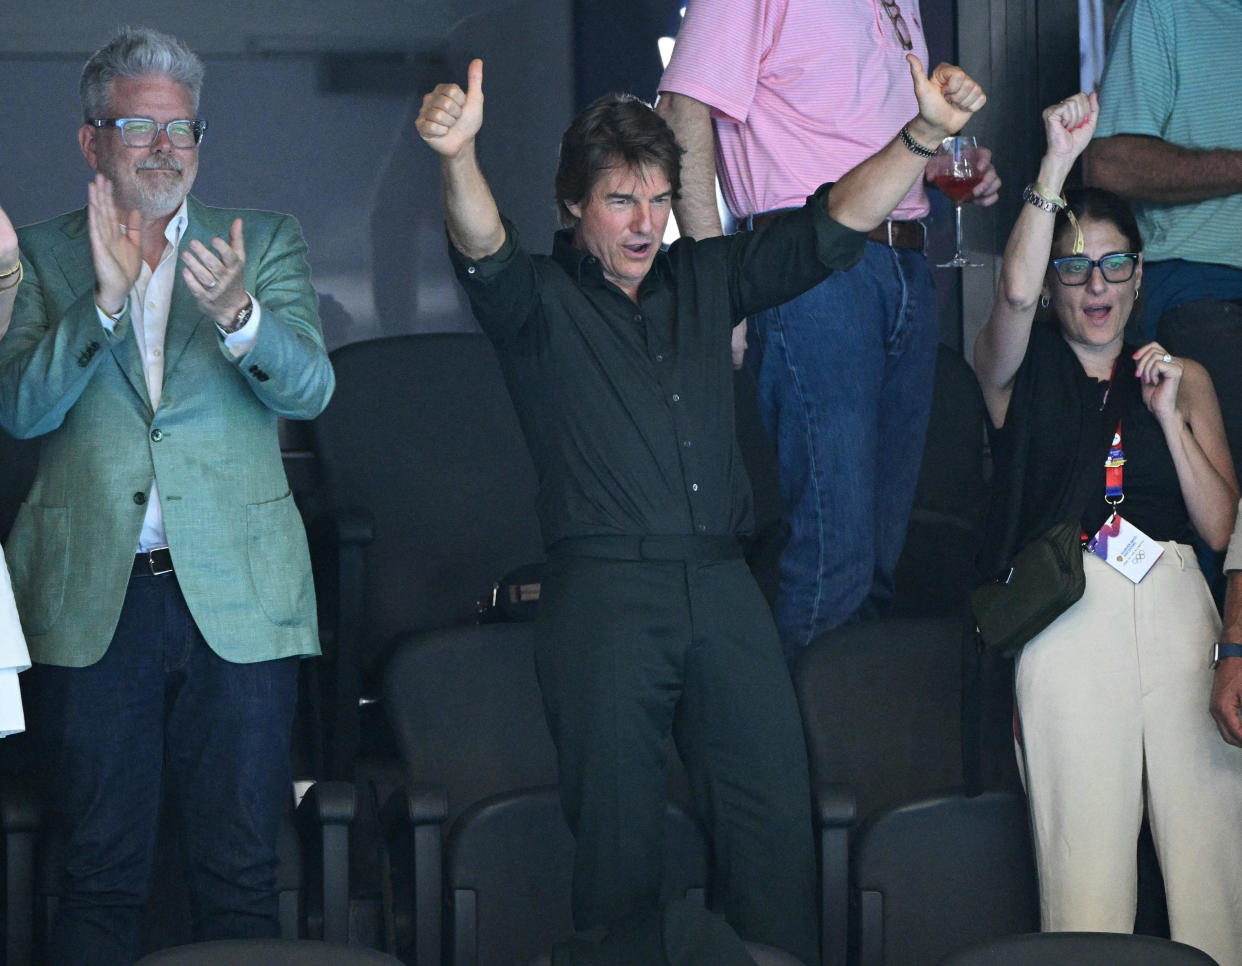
216,276
116,247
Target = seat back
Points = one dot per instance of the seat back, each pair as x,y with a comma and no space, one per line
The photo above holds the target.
940,874
1079,949
508,876
881,708
431,493
466,714
421,434
937,568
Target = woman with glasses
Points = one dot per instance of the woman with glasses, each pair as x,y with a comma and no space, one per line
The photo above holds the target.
13,656
1126,441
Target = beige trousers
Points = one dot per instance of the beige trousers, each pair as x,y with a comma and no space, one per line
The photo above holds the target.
1113,710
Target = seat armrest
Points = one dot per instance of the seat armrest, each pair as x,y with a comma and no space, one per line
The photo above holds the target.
413,817
836,805
836,808
323,820
329,803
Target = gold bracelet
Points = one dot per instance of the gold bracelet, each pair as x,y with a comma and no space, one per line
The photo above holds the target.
16,282
1045,192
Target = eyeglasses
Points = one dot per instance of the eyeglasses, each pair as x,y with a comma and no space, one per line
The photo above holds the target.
899,23
142,132
1076,269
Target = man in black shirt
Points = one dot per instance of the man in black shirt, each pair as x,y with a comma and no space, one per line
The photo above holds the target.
617,357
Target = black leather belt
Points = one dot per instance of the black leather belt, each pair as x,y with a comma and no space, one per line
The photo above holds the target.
894,234
152,563
621,547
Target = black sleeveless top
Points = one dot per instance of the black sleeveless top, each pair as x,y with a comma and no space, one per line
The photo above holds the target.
1049,456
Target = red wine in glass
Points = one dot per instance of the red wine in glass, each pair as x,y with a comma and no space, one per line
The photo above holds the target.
958,189
955,171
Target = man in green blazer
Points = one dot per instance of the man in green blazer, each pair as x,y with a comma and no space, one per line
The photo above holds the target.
159,563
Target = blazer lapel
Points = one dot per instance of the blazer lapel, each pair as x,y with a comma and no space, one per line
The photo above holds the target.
184,316
74,259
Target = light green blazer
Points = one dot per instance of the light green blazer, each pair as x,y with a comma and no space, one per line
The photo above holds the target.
237,541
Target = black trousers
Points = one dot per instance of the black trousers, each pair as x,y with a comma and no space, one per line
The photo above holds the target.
635,653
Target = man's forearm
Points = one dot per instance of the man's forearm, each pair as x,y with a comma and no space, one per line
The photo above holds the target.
1150,169
470,211
691,121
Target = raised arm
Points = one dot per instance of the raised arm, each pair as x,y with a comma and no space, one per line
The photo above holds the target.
1151,169
697,212
448,121
10,271
1002,342
867,193
691,121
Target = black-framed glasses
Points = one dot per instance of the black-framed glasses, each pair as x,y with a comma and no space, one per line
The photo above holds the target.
1076,269
142,132
899,23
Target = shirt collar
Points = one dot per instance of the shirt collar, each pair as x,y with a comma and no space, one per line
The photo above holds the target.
177,224
584,266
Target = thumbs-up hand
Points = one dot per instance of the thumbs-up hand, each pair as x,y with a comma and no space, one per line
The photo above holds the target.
450,117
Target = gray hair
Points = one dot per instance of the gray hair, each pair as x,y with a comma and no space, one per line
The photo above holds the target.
137,52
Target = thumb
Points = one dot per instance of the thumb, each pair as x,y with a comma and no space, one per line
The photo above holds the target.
474,79
917,72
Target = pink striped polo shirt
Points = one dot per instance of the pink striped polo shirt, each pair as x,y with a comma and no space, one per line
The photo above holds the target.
801,91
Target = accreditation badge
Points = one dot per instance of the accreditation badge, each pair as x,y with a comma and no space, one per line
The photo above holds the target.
1125,548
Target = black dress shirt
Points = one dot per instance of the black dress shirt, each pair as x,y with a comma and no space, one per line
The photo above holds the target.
628,407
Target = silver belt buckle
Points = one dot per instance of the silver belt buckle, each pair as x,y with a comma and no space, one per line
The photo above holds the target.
164,566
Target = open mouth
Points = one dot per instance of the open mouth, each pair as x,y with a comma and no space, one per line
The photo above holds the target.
639,250
1097,313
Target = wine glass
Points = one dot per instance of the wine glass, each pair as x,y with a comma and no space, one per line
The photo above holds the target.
955,170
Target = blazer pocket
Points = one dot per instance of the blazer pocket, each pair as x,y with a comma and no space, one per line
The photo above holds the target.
39,564
279,561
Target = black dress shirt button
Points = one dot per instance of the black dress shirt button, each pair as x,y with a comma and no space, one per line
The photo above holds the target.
686,444
471,270
676,397
140,498
694,487
659,357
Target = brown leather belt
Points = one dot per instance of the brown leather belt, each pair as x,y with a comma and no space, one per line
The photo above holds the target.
894,234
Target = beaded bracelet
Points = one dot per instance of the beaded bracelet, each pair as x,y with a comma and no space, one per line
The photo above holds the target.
908,140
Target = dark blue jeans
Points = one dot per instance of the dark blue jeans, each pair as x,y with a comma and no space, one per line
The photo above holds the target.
162,709
845,375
